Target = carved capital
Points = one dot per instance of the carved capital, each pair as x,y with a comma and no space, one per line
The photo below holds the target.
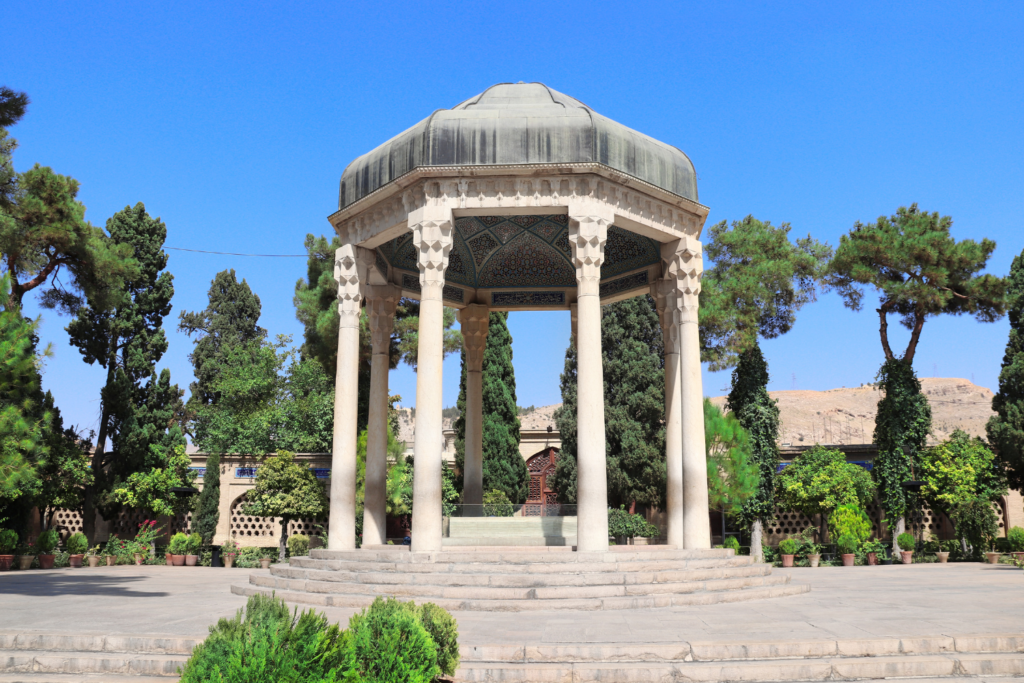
683,266
474,320
433,240
381,302
669,302
350,268
588,235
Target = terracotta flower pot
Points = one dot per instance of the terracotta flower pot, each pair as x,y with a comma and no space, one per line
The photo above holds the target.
25,561
265,564
76,560
178,560
111,560
813,560
5,562
907,556
46,561
168,560
94,560
993,558
1019,556
640,540
138,559
191,560
943,557
787,560
872,558
228,560
848,559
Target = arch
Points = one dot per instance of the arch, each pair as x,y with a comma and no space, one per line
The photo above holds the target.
542,499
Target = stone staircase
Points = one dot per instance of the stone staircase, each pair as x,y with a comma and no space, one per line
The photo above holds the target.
54,657
522,579
510,531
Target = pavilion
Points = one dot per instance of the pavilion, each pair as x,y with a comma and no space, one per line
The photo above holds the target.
520,198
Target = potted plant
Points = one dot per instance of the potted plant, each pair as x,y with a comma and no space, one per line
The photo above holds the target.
26,554
93,556
810,549
872,549
788,547
228,551
76,545
847,545
111,550
192,545
45,544
177,549
942,554
265,559
8,542
1015,539
144,540
905,541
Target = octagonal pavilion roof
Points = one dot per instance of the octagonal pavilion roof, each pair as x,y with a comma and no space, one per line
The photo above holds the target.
516,124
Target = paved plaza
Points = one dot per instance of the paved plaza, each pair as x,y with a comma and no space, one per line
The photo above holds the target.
844,603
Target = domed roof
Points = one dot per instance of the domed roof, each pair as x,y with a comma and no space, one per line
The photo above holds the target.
520,123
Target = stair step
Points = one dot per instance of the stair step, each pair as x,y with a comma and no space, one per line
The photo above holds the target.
85,662
534,567
62,642
520,555
27,677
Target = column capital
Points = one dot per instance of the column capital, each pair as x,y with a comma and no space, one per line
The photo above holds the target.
474,320
669,303
683,266
588,235
351,264
433,241
381,302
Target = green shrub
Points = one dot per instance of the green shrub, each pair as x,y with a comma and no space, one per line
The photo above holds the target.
1014,537
905,541
789,546
444,631
77,544
9,541
873,546
497,504
47,541
850,520
732,542
178,545
249,558
847,544
298,545
193,544
975,522
622,524
388,644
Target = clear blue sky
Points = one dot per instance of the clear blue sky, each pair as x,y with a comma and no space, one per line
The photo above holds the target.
233,123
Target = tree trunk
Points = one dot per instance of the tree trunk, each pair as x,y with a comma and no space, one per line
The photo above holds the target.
756,547
89,499
901,526
283,544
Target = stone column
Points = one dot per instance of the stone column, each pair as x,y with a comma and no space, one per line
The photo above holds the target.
381,301
433,240
685,267
587,235
669,305
474,320
350,273
574,319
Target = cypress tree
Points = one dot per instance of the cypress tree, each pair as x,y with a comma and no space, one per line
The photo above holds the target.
564,479
460,427
207,510
1006,428
504,468
758,413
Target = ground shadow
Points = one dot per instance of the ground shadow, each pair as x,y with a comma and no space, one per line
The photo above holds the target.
46,584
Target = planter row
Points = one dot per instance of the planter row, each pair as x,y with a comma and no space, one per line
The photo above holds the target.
906,557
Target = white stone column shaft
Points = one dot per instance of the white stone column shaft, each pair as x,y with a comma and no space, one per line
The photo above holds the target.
474,320
666,298
350,273
381,302
588,235
433,240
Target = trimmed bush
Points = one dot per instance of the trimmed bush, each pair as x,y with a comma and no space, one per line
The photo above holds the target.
850,520
47,541
847,544
732,542
789,546
497,504
193,544
905,541
444,631
77,544
1014,538
9,541
298,545
390,645
178,544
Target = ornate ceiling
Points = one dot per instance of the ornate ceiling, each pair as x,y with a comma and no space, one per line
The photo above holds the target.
511,252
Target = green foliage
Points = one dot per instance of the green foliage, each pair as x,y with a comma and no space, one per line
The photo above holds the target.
9,540
958,470
12,106
634,386
1014,537
732,542
444,631
906,541
178,544
902,423
759,281
298,545
873,546
47,541
623,524
503,465
307,406
65,471
1006,428
265,644
789,546
449,494
850,520
389,644
820,480
151,489
195,541
848,544
77,543
733,478
206,514
286,489
497,504
976,524
758,413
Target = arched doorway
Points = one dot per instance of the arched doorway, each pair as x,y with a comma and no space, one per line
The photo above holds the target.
542,500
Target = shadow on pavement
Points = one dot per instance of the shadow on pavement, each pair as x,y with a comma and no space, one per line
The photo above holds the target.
54,584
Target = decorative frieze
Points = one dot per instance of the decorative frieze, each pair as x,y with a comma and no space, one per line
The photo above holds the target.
508,299
624,284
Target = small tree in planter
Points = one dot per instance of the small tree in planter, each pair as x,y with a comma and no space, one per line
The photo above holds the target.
976,526
228,552
788,547
8,542
850,520
873,549
285,489
192,545
847,545
1015,539
77,544
177,548
45,545
905,541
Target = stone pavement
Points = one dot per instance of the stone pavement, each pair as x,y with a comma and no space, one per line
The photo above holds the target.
845,602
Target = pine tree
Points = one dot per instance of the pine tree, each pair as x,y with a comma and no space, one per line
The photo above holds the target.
564,480
1006,428
207,510
503,466
758,413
